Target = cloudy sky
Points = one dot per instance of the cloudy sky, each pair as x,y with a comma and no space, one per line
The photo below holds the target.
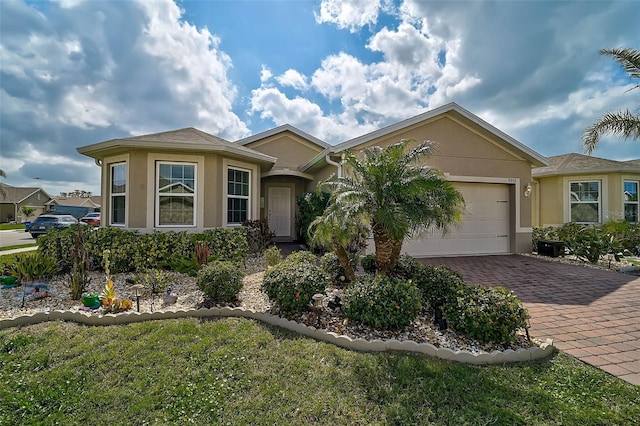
76,72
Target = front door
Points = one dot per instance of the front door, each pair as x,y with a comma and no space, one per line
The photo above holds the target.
279,205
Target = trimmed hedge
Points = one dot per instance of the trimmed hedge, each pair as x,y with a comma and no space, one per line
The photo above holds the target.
221,281
487,314
382,302
131,250
292,283
439,284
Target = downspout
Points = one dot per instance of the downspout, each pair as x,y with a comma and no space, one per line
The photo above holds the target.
328,159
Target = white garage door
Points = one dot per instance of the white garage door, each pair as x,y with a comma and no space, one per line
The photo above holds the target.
484,228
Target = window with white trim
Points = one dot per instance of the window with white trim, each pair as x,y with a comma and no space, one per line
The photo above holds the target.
631,203
118,190
585,201
238,192
175,194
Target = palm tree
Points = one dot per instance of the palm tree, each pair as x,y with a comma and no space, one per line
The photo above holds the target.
396,196
620,123
345,237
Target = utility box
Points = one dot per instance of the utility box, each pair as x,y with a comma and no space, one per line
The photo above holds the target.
550,248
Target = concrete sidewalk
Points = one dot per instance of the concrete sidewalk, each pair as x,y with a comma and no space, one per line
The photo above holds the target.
18,250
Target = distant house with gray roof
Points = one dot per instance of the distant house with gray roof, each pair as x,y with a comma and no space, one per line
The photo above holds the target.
17,197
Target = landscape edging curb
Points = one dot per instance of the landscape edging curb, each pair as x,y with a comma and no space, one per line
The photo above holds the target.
361,345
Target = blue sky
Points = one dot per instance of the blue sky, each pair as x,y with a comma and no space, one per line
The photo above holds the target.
76,72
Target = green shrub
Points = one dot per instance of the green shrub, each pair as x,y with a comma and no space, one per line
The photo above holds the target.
310,206
438,284
487,314
539,234
302,256
291,283
272,256
589,242
333,269
627,234
133,251
382,302
221,281
407,267
368,262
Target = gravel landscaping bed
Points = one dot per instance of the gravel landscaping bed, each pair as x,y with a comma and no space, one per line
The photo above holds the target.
189,296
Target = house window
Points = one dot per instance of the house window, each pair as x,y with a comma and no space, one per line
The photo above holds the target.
118,193
585,202
631,203
237,195
175,194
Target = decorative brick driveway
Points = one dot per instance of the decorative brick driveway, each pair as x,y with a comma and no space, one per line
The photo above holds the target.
591,314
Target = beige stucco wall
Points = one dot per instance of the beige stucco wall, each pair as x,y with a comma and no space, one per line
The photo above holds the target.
290,150
553,202
211,175
465,153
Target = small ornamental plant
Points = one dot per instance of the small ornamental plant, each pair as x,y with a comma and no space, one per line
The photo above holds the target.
108,298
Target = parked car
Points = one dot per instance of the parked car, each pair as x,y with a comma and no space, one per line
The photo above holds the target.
91,219
46,222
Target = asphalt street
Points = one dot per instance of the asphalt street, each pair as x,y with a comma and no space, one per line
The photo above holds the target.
15,237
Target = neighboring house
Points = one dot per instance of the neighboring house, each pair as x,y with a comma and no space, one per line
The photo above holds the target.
584,189
92,203
16,198
189,180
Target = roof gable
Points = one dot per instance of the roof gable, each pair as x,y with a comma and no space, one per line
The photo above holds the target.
15,194
282,129
574,163
506,141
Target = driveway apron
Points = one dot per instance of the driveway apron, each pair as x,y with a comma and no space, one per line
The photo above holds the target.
591,314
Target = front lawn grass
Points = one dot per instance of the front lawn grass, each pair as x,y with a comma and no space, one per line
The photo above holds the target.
9,226
239,371
17,246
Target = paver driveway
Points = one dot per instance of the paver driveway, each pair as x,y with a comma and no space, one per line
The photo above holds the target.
591,314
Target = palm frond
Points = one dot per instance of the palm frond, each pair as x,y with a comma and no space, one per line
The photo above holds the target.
621,123
627,57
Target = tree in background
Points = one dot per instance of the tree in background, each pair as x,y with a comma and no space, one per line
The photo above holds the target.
27,211
620,123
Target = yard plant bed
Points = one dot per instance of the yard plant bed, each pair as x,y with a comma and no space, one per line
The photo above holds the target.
422,330
238,371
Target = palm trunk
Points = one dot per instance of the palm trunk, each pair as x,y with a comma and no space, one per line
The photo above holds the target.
343,257
387,250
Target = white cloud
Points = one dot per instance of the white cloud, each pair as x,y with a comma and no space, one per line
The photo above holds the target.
265,74
293,79
349,14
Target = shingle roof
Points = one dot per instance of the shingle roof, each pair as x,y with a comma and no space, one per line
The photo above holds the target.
574,163
15,194
187,138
